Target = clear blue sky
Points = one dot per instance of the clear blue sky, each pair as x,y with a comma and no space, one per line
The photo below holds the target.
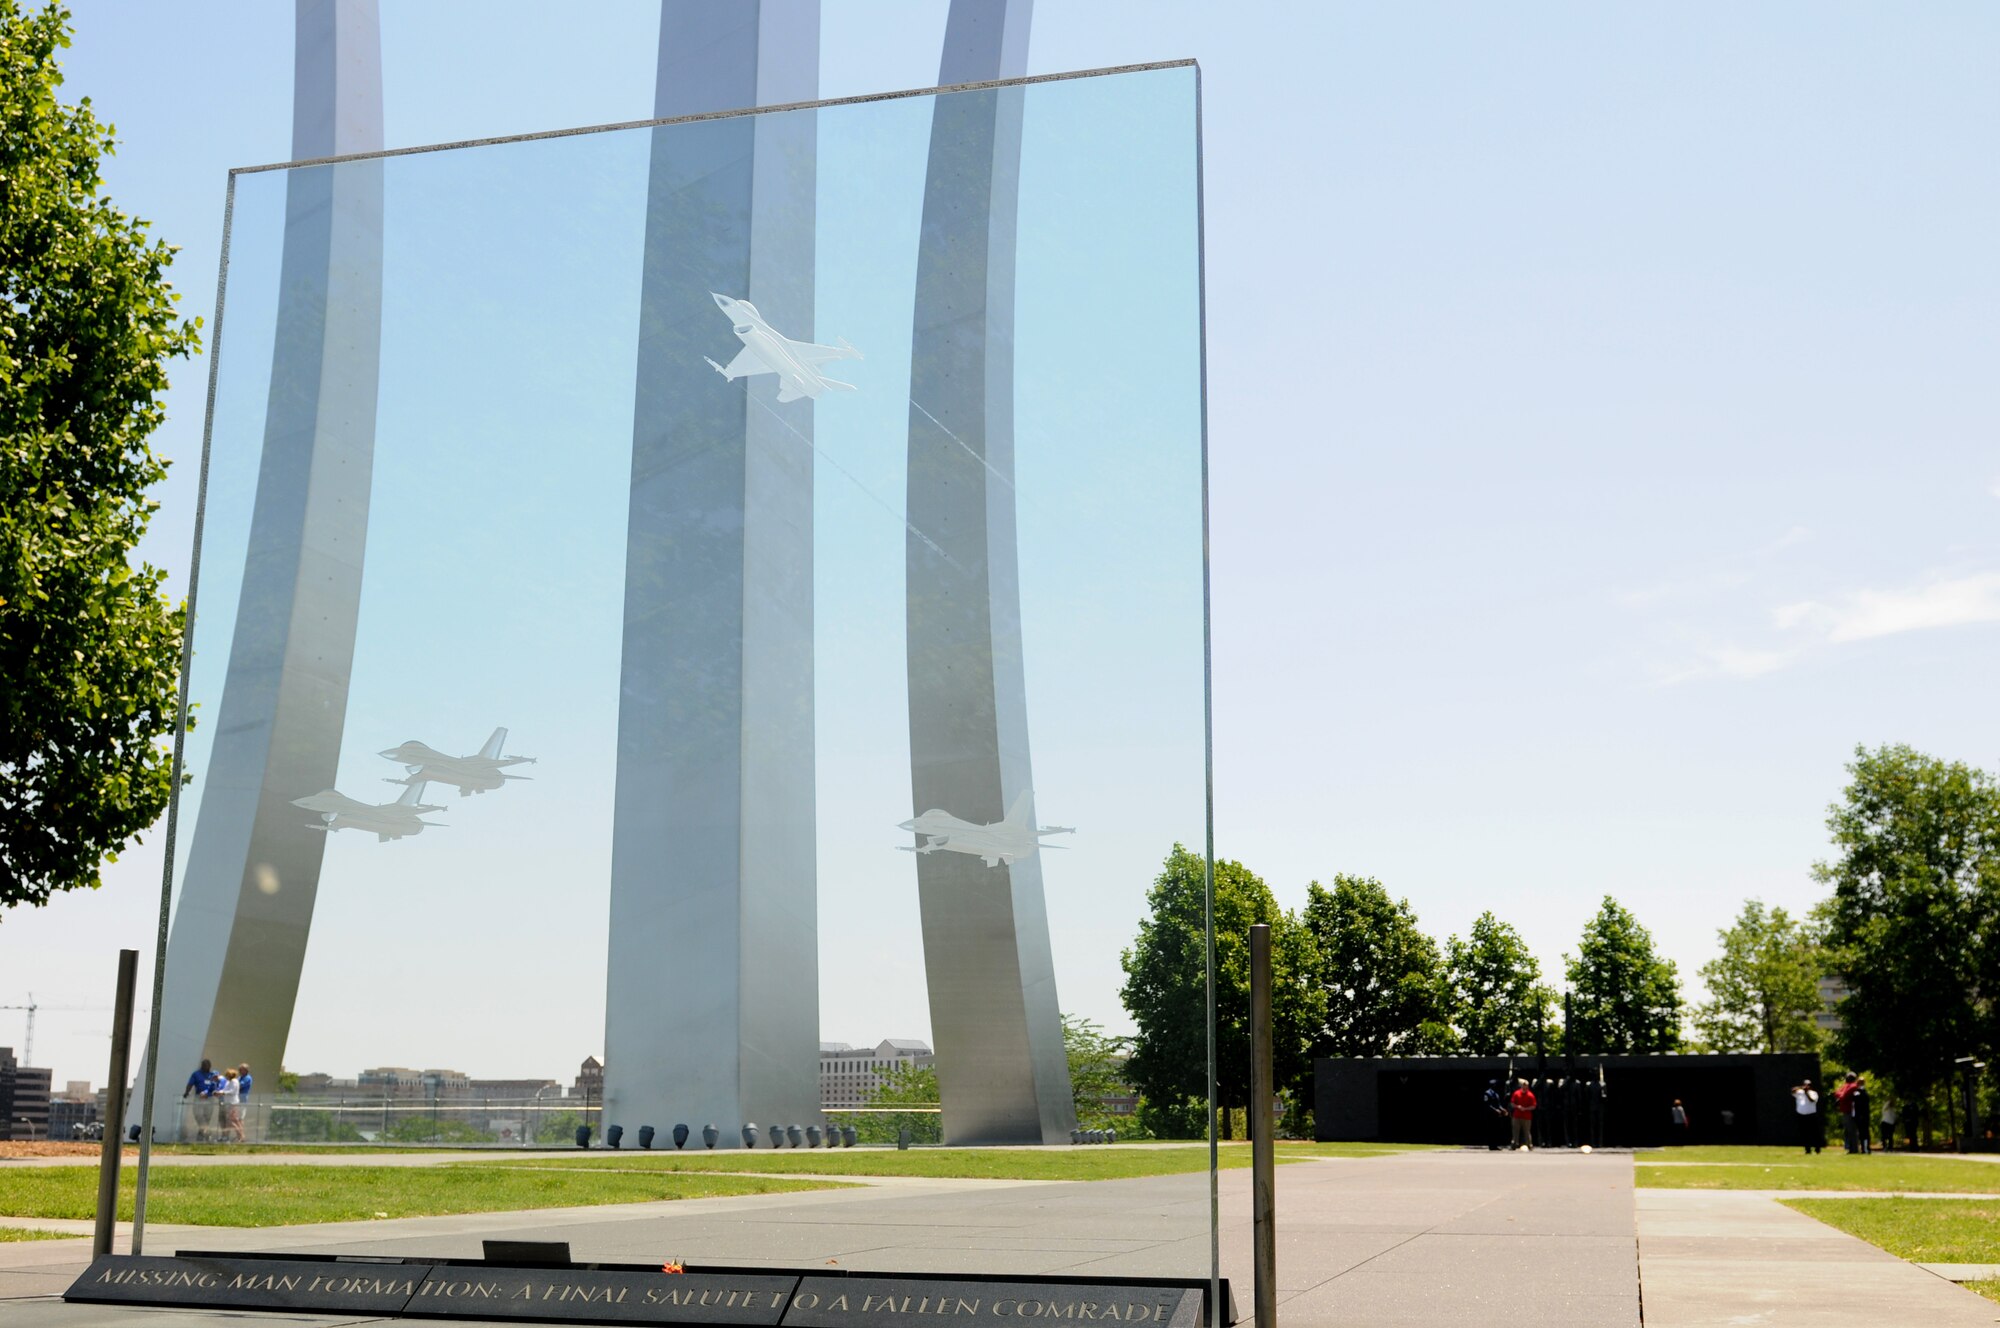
1602,433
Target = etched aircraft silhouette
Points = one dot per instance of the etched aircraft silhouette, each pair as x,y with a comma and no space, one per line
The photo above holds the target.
1002,841
767,351
478,773
386,821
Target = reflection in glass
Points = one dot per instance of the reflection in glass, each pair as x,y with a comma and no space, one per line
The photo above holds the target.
635,501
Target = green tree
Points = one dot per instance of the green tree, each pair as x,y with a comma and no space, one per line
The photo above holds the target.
1763,989
89,649
1624,997
307,1125
1494,998
1165,986
907,1086
904,1086
424,1130
1096,1071
1380,979
1912,920
554,1128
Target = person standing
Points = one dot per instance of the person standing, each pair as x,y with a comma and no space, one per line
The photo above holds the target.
201,1084
1889,1118
1805,1102
1843,1103
1494,1103
1858,1099
227,1096
242,1094
1680,1116
1522,1105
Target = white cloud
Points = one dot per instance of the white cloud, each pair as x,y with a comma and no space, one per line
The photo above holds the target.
1729,574
1861,615
1734,662
1728,662
1692,587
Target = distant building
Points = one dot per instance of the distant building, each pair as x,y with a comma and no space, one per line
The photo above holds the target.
446,1083
1832,991
24,1099
391,1081
69,1118
589,1080
325,1085
506,1089
77,1090
849,1076
400,1081
1123,1099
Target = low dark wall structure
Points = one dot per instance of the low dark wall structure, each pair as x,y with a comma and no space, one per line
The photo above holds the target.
1617,1101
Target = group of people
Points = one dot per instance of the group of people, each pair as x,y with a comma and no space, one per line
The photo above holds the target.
219,1099
1851,1102
1514,1112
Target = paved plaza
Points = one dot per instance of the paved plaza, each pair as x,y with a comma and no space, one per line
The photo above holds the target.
1548,1240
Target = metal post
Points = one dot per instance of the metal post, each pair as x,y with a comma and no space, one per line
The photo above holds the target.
1263,1201
114,1103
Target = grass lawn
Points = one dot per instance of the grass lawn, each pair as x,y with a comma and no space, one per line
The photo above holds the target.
1095,1163
31,1233
308,1150
1291,1149
1780,1169
1920,1230
1765,1154
268,1196
1990,1288
1101,1163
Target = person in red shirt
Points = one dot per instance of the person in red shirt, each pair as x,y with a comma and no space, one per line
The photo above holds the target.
1843,1102
1523,1101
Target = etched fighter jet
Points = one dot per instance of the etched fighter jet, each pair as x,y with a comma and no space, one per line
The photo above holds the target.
386,821
1003,841
478,773
767,351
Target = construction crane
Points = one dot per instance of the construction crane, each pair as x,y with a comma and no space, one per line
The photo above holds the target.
28,1041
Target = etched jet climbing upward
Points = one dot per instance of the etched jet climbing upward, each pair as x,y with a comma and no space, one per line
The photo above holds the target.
1002,841
478,773
386,821
766,350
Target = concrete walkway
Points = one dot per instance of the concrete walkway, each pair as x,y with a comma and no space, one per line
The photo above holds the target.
1734,1258
1413,1239
1544,1240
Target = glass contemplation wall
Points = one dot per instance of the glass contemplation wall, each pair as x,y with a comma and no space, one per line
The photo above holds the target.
693,595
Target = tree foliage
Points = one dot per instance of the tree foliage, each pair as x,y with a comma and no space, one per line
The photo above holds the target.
1379,978
1495,1002
443,1130
1625,997
1165,985
308,1125
1912,921
1763,989
556,1127
1096,1071
906,1085
89,649
903,1085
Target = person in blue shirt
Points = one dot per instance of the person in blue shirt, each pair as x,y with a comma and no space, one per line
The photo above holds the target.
201,1084
242,1097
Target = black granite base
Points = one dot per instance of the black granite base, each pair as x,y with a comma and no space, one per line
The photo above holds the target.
548,1292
